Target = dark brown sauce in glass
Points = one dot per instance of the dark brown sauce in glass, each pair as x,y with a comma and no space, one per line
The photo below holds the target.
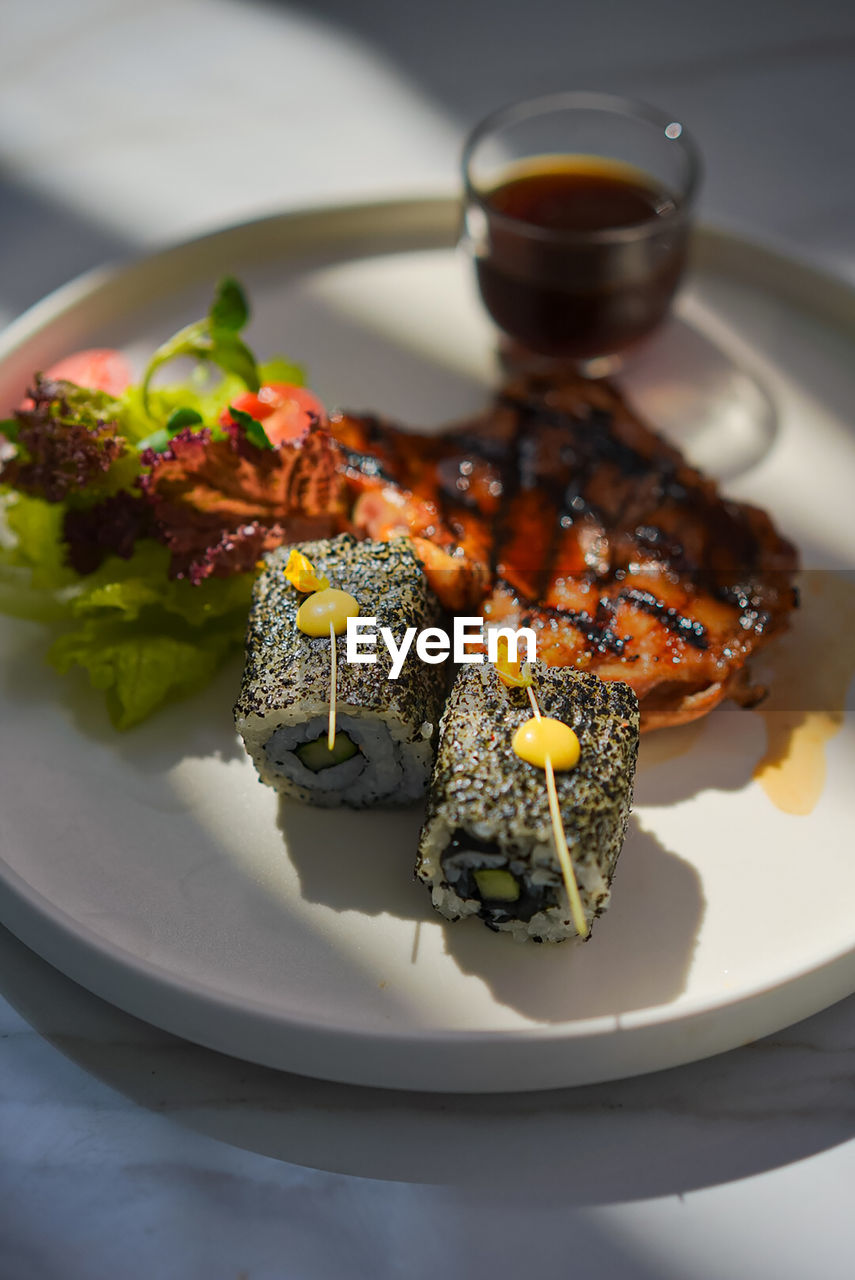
582,256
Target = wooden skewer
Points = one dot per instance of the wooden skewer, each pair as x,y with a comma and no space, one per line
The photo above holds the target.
561,848
576,908
333,671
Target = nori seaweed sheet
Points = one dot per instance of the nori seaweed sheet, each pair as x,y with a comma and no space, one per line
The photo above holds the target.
483,797
287,672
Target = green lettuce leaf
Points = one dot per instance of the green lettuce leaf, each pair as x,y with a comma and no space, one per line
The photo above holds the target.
37,529
125,588
139,669
142,638
36,583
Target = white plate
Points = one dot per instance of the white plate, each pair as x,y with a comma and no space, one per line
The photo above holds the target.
154,869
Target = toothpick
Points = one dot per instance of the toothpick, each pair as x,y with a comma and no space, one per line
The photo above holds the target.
576,908
561,848
331,725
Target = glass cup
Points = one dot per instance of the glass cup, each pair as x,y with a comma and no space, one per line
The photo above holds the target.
577,213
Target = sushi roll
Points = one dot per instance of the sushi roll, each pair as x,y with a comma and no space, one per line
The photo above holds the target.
487,846
384,728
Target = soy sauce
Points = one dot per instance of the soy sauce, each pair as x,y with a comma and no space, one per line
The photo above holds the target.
581,256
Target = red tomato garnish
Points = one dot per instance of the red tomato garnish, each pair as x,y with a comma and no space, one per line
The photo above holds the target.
285,410
100,369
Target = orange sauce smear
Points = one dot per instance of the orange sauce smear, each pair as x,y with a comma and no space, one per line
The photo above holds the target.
813,666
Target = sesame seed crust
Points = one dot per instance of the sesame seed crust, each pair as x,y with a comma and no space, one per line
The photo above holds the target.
286,676
485,797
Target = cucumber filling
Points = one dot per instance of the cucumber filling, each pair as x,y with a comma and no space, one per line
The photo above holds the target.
317,756
496,885
480,871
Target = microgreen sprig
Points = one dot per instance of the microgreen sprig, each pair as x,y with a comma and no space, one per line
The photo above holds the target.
177,421
215,339
253,429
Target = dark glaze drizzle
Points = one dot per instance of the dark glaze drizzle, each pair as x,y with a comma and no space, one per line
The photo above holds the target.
688,629
365,464
554,457
598,631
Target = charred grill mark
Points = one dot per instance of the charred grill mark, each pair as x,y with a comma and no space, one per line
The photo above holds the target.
652,538
598,631
452,484
526,460
490,448
688,629
378,432
531,517
442,504
550,509
599,443
753,616
575,504
366,464
562,498
571,503
593,444
510,479
606,619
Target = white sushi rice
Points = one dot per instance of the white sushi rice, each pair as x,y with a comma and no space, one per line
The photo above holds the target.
392,764
537,866
488,810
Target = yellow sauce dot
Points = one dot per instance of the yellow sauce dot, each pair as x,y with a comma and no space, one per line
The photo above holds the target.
536,739
324,607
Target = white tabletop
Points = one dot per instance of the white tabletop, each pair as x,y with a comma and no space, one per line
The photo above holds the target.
126,1152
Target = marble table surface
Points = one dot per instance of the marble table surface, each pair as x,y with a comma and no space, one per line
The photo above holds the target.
125,1152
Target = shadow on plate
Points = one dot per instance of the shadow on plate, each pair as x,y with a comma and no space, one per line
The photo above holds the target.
195,727
675,1131
717,753
324,846
356,860
554,984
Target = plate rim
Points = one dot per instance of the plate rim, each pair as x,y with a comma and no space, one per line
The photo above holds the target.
786,273
43,925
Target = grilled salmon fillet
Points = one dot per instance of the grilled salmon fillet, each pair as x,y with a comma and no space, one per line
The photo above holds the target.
560,509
